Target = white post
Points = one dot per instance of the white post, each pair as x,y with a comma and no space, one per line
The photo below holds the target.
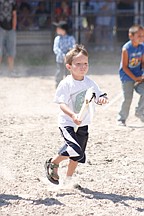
77,19
142,12
136,12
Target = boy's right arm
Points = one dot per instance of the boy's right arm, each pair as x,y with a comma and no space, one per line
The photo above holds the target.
56,48
125,61
70,113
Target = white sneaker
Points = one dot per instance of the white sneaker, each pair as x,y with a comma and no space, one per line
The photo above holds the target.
121,123
66,183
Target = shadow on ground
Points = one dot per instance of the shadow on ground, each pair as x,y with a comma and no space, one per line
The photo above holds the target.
6,199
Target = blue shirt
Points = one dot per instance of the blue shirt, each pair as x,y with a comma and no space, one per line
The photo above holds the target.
134,61
62,44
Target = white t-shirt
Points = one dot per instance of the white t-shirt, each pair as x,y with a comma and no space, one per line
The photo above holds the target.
72,93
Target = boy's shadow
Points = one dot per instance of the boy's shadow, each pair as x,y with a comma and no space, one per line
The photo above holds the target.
5,199
113,197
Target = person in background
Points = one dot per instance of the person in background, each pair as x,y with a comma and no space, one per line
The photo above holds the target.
63,42
90,9
132,62
104,25
63,10
125,18
8,24
41,15
25,18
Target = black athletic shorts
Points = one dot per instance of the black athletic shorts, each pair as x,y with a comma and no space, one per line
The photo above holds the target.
75,143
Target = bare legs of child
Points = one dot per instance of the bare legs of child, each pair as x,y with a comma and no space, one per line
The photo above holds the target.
10,63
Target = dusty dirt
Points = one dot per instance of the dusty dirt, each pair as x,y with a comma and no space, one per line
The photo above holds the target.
112,180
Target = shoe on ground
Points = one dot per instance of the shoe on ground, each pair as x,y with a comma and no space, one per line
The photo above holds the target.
121,123
66,183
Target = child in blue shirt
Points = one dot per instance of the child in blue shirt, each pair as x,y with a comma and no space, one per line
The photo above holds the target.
63,42
132,62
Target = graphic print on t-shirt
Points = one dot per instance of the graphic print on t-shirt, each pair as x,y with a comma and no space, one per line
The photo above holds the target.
135,60
6,7
78,100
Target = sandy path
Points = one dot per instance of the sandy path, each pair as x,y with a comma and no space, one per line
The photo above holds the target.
112,179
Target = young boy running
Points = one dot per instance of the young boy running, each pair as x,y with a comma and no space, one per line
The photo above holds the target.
132,62
70,95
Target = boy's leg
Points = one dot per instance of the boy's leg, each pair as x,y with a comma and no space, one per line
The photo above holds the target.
82,136
59,158
59,73
11,48
1,43
51,168
56,160
140,108
71,168
10,63
71,149
128,88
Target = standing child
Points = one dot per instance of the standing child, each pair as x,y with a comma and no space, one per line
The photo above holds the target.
63,42
8,23
132,61
70,96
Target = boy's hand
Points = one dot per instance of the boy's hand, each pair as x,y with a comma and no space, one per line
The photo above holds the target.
139,79
75,119
102,100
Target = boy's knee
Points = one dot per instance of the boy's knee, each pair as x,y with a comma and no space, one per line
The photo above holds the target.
139,88
80,159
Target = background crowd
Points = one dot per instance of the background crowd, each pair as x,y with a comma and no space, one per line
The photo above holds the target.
39,14
92,22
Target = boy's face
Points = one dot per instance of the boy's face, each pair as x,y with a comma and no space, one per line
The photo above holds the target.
79,66
60,31
135,38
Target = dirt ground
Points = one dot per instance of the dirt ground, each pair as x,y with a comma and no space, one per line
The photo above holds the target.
111,182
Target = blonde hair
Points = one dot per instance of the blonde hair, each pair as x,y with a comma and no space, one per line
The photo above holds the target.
134,29
78,48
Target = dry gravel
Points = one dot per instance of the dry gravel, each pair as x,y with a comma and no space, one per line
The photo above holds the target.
111,183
